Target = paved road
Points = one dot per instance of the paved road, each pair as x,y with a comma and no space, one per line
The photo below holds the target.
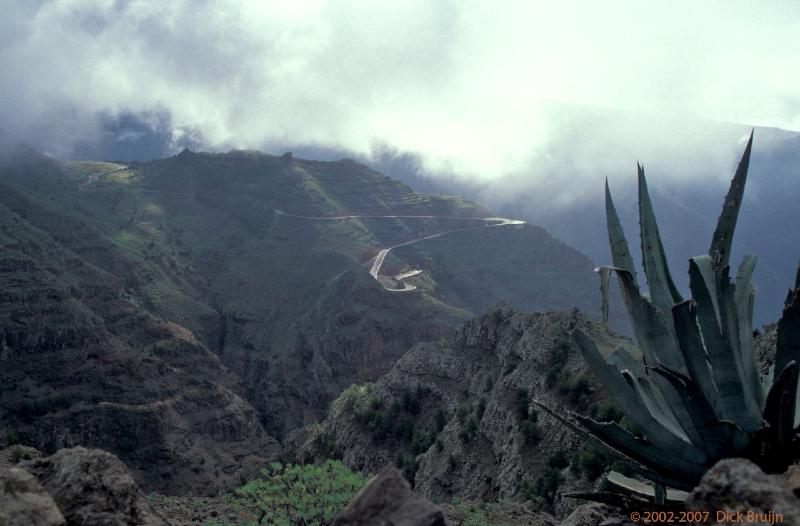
377,263
381,257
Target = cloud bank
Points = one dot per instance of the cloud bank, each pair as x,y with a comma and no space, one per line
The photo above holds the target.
468,85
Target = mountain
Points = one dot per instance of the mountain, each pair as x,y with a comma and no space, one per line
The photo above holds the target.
689,164
459,416
186,313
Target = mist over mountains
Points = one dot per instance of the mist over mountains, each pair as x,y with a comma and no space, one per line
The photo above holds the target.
688,164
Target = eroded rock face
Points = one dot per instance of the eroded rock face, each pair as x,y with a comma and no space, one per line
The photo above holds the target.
737,487
93,488
24,501
465,423
387,500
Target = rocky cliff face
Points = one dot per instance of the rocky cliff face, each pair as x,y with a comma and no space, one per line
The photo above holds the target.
87,356
78,486
458,415
182,312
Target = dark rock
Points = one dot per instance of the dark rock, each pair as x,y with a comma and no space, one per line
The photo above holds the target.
92,487
792,476
738,486
24,501
589,515
388,500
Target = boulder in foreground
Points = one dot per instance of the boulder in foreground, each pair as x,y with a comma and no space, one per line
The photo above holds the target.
388,500
92,487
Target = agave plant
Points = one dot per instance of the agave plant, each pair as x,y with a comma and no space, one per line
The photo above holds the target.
696,394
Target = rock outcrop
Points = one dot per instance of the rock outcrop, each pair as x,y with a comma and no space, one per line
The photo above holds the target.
24,501
459,416
736,490
387,500
74,487
92,488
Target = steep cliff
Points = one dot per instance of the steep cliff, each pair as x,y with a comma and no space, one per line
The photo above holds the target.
458,416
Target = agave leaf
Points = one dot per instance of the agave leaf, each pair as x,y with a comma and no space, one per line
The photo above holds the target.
620,253
568,418
779,412
720,249
643,451
691,344
705,268
726,294
788,341
719,438
656,337
648,392
605,282
745,298
721,356
744,276
623,395
642,489
662,289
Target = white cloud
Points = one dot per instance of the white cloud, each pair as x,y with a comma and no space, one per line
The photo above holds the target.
462,83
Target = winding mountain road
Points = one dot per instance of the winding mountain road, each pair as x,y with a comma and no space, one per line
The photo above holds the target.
377,263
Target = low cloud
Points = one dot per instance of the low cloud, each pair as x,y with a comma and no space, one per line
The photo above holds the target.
468,86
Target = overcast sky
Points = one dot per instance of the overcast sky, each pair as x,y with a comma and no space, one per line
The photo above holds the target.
461,83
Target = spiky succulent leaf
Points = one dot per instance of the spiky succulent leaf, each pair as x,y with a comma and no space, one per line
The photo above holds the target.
721,356
729,318
719,438
649,394
620,253
569,419
720,249
627,399
662,289
654,336
779,412
642,489
788,341
745,298
657,340
643,451
684,316
605,286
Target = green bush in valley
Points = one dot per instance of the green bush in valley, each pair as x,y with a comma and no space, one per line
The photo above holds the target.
545,487
590,463
289,494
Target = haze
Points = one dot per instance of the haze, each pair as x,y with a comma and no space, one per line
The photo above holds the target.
468,86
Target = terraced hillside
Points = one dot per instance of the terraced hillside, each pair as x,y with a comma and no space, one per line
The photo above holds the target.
235,282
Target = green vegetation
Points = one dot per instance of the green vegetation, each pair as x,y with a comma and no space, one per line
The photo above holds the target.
395,422
528,418
292,494
589,462
700,397
545,487
558,460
